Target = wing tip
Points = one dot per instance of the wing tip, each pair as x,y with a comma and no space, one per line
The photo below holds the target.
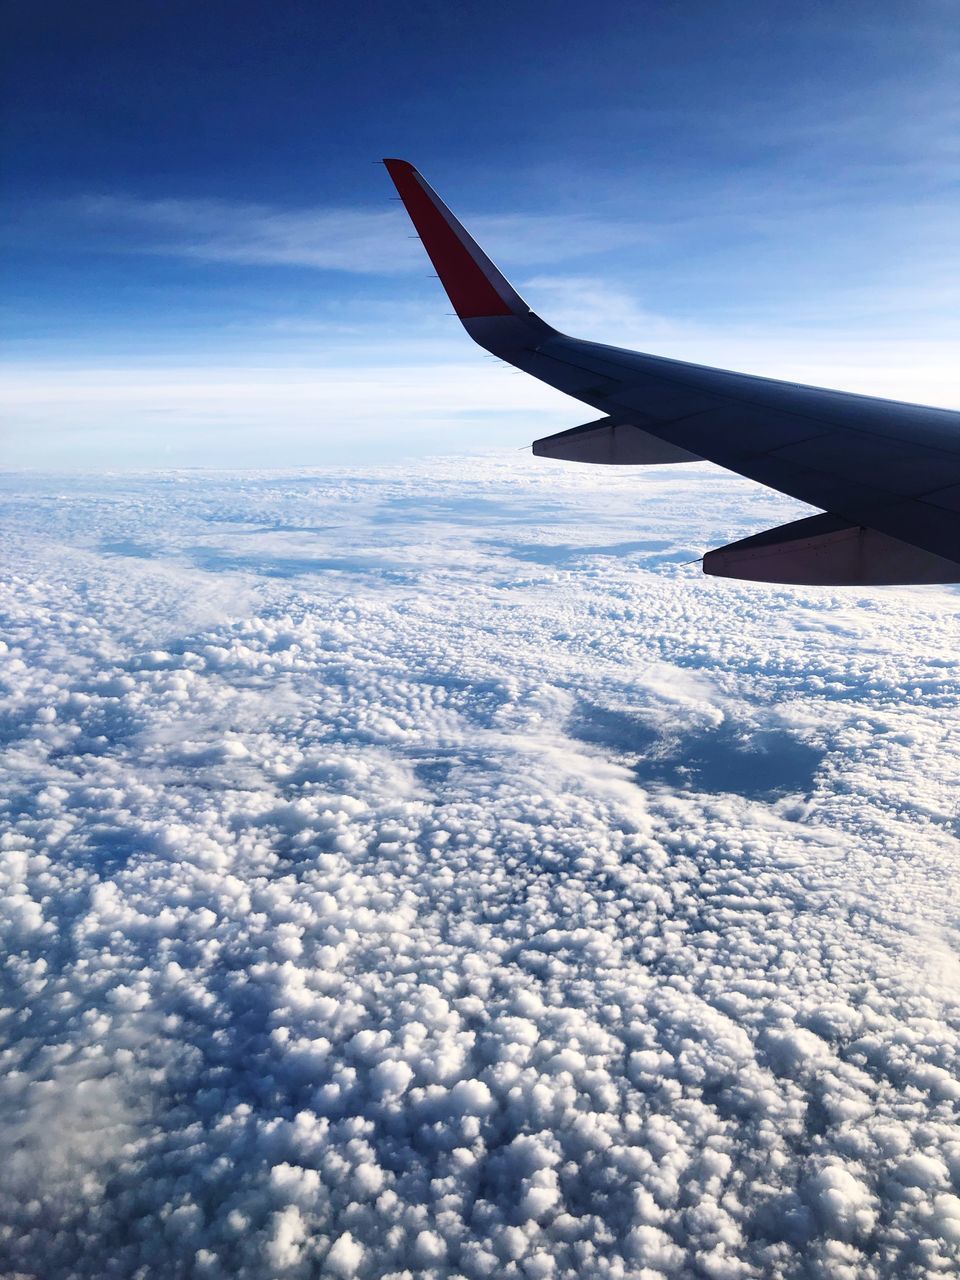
473,284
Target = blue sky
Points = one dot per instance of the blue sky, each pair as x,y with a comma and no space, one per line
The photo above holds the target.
205,266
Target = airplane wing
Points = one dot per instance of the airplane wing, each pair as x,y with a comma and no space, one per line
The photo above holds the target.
886,475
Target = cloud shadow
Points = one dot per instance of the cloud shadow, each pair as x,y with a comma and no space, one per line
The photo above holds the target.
758,764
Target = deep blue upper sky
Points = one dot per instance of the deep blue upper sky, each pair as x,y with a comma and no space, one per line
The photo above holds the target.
190,195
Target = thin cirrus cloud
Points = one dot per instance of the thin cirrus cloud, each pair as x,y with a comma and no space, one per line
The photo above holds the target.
809,346
338,239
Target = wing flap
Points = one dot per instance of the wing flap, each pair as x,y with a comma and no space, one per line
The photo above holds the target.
826,550
611,443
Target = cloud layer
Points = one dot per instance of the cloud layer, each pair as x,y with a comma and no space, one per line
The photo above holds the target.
421,872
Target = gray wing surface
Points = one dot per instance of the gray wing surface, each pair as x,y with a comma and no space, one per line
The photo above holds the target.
887,473
891,466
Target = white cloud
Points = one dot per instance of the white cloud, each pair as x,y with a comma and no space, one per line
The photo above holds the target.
430,394
417,870
66,416
332,239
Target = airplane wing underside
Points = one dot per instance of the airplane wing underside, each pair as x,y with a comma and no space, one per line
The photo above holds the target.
886,474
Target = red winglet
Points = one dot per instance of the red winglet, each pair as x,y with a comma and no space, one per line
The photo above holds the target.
473,284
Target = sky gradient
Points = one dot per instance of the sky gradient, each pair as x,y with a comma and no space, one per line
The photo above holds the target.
205,266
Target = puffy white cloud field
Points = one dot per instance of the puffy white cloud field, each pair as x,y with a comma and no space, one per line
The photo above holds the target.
425,872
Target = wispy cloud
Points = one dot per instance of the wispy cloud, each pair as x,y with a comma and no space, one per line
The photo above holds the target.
921,367
362,240
326,238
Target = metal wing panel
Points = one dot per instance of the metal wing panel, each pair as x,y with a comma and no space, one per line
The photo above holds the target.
947,499
936,428
872,462
891,465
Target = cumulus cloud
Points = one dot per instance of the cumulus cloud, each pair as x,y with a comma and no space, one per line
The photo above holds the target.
425,872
